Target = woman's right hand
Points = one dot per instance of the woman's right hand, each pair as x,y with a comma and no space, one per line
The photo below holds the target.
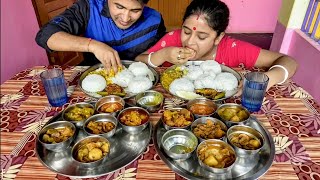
105,54
179,55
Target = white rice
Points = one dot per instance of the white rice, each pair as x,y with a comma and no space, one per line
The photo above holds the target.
204,81
139,69
123,78
93,83
181,84
139,84
211,65
194,72
225,82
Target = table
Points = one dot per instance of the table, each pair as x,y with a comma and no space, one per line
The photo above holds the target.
288,112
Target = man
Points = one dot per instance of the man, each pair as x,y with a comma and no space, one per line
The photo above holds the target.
113,30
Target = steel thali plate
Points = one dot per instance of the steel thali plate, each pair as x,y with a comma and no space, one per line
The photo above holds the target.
124,149
223,69
245,168
125,63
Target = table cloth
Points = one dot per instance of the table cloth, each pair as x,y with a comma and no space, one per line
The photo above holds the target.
289,113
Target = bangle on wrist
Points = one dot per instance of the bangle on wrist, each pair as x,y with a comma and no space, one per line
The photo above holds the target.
89,44
149,61
286,73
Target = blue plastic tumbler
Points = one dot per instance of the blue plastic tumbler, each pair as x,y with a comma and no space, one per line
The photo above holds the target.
55,86
254,89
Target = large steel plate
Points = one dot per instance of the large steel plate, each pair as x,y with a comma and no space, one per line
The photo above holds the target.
124,149
223,69
126,63
245,168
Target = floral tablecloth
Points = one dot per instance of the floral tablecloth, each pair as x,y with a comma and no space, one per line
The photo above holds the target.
288,112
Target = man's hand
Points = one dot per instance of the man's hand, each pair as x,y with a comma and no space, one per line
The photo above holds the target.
106,55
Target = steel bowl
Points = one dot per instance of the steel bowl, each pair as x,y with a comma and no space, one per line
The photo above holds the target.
179,143
101,118
57,147
203,102
216,143
109,99
251,132
134,129
234,106
81,143
167,127
78,124
203,120
149,100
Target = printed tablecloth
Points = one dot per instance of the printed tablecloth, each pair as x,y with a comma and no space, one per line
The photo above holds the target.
289,113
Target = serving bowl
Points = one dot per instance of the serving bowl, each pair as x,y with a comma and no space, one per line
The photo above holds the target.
90,151
171,118
209,128
149,100
111,104
54,128
179,143
201,107
78,113
101,124
246,140
133,119
233,114
216,156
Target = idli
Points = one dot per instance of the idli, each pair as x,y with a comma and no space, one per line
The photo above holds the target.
123,78
211,65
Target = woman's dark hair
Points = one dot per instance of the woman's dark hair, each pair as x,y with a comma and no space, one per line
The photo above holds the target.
216,13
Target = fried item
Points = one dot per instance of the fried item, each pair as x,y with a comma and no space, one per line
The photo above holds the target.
209,130
177,118
110,107
100,127
113,89
134,117
233,114
201,109
107,75
216,155
245,141
79,113
210,93
57,135
92,151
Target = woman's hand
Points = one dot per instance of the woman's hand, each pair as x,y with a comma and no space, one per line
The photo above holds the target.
106,55
179,55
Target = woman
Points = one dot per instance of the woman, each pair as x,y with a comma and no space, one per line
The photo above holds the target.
202,37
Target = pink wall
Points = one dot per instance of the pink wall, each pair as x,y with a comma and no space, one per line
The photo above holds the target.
253,16
307,54
18,47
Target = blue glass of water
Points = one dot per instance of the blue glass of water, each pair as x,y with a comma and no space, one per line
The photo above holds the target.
254,89
55,86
